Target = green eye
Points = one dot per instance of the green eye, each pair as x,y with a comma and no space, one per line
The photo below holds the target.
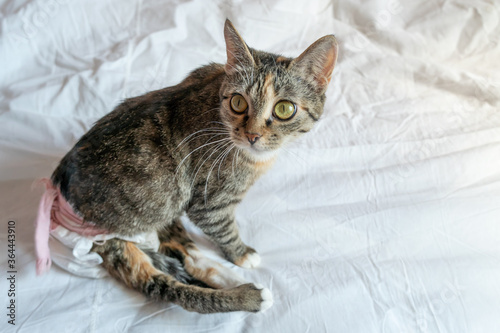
284,110
238,103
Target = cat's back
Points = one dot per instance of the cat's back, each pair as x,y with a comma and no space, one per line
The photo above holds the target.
127,161
143,128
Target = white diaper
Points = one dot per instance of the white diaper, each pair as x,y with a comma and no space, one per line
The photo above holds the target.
71,251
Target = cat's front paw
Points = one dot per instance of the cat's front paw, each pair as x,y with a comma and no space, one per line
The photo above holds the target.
250,259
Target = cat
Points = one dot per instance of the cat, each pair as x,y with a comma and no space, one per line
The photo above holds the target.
194,149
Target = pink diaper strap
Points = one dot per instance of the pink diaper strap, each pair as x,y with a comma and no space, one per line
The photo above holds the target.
42,228
54,210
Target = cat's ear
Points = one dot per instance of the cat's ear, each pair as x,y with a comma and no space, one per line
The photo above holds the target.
318,61
238,54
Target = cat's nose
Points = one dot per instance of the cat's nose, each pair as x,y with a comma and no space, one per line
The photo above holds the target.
252,137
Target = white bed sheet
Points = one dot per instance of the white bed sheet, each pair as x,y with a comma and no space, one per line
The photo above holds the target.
384,219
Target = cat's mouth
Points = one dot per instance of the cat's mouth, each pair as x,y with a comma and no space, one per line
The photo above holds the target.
256,152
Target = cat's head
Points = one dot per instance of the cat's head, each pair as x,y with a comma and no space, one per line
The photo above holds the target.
269,100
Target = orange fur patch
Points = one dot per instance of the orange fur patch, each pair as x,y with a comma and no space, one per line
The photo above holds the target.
269,87
85,146
240,261
140,265
174,245
263,166
268,81
202,274
269,93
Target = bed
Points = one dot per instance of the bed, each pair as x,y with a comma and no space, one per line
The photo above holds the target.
384,218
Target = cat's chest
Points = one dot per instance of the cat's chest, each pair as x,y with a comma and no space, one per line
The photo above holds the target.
262,167
249,172
232,179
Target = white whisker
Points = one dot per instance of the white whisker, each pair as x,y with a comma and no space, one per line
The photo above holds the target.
210,172
234,156
211,130
205,112
218,122
214,134
225,156
213,150
206,144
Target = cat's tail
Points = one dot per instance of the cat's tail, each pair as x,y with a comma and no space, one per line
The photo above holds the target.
164,278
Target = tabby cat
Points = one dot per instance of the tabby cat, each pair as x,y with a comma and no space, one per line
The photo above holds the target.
193,148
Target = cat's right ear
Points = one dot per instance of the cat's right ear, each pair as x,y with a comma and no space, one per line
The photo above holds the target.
238,53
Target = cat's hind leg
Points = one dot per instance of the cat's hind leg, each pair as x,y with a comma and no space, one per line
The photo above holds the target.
176,243
131,265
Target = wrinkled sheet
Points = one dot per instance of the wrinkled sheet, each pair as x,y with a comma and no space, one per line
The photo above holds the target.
385,218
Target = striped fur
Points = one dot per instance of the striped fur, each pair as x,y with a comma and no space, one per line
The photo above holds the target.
182,149
131,265
175,242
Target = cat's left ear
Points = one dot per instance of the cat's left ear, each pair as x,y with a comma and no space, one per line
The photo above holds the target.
238,54
318,61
